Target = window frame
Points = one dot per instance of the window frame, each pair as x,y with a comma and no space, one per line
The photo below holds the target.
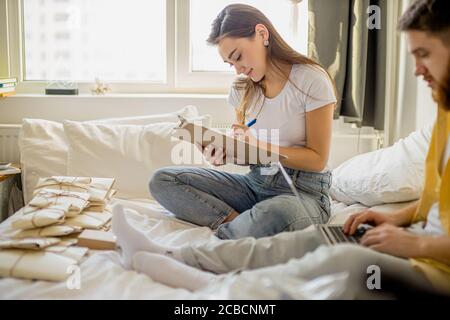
15,58
185,77
179,76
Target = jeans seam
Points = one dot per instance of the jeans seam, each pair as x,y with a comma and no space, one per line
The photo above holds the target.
221,217
198,175
247,184
294,221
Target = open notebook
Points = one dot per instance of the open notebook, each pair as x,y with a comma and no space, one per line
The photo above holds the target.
236,151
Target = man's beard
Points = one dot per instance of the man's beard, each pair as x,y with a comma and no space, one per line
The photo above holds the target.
442,93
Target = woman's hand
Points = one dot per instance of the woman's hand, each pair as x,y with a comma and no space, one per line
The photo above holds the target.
370,217
393,240
212,154
243,132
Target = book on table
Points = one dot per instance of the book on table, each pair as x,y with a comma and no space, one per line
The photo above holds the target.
7,89
8,85
8,80
7,94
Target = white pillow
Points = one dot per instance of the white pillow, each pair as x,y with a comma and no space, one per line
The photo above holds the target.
129,153
187,112
393,174
43,152
44,148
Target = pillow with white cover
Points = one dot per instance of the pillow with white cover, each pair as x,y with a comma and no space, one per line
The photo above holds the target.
129,153
187,112
388,175
44,148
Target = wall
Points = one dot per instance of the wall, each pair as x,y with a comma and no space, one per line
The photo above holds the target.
426,108
87,107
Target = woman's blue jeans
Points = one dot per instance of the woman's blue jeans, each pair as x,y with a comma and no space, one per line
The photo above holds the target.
265,203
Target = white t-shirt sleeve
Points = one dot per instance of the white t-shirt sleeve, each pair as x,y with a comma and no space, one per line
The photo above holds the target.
317,87
233,98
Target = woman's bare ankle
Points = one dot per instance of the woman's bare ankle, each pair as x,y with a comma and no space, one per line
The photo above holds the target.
231,216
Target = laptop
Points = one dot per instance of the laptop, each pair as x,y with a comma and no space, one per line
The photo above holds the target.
333,234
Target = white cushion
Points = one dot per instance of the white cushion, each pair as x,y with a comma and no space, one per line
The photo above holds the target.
44,148
187,112
43,152
129,153
393,174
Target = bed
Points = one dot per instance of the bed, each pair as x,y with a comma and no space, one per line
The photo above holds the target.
102,276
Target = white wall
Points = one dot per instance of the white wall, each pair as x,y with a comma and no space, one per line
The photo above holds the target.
414,108
426,108
87,107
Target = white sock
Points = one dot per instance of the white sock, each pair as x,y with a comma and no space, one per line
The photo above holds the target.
171,272
130,240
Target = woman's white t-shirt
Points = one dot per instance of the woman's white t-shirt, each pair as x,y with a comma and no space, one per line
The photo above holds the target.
433,225
282,118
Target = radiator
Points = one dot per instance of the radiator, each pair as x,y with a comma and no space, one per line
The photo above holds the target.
9,146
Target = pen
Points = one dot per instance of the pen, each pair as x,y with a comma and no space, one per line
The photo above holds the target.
250,123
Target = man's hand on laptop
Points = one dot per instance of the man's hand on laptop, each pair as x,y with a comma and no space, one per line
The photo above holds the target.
368,217
393,240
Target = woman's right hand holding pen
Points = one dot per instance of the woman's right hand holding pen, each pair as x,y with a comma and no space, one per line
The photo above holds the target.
242,132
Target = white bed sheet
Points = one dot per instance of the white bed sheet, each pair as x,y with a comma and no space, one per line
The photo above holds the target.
102,276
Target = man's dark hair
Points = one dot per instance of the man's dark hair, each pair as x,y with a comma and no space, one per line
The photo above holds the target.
432,16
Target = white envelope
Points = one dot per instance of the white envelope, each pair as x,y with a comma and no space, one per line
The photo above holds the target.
28,243
76,253
98,188
38,265
77,201
50,231
89,220
30,218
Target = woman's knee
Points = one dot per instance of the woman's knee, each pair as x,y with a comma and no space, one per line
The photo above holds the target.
289,214
160,180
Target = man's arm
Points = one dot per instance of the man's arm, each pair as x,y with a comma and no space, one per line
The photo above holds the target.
436,248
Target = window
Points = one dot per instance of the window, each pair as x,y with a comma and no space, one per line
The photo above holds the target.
108,39
205,58
138,46
203,66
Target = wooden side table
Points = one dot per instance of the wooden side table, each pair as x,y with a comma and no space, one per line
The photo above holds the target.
7,183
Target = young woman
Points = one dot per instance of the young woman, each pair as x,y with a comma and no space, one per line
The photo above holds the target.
419,260
284,91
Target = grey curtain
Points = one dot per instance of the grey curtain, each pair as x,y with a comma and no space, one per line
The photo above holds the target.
354,55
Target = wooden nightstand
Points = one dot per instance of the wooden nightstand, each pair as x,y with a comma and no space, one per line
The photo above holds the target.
7,183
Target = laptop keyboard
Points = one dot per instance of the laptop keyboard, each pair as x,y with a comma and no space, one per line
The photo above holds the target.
340,236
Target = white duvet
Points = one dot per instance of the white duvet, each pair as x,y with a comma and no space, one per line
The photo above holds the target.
102,276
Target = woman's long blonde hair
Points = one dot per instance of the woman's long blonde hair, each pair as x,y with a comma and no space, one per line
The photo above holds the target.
239,21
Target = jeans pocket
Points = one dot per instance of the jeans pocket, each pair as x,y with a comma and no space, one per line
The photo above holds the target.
314,183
